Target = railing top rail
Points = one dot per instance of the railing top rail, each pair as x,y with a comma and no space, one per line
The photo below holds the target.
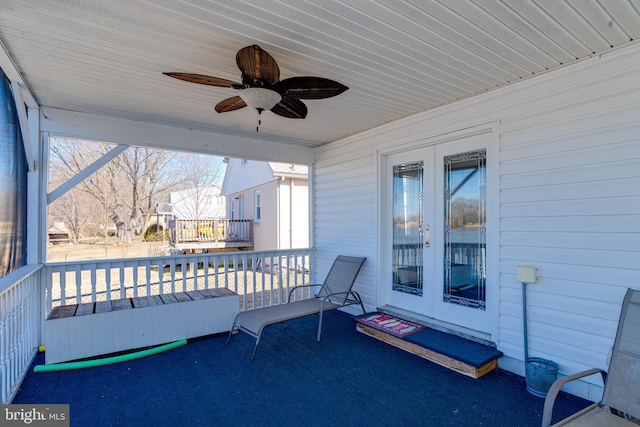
17,276
161,259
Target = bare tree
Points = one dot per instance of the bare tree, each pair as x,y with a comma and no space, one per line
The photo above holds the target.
76,209
147,173
129,185
125,187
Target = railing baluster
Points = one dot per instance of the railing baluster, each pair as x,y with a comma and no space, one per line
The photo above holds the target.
215,272
123,289
107,279
147,273
63,286
134,270
244,280
235,276
271,273
173,276
205,270
185,271
255,283
263,264
78,283
93,283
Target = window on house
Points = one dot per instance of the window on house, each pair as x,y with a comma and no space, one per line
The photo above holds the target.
232,209
241,207
257,205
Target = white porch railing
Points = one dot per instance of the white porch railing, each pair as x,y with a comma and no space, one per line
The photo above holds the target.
260,278
19,327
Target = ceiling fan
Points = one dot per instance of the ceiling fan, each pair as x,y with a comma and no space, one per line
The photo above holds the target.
262,89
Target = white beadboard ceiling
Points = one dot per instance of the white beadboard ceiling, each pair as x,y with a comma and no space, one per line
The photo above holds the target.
397,57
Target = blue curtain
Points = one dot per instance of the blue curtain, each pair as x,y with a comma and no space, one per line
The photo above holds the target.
13,185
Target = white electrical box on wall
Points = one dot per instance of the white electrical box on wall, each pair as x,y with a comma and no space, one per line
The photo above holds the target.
526,274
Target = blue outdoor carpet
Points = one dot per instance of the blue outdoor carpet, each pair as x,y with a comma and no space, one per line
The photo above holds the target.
347,379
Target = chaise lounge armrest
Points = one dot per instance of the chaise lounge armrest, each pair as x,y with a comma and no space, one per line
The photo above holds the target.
555,389
298,287
328,297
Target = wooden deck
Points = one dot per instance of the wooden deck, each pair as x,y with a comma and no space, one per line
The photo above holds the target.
191,236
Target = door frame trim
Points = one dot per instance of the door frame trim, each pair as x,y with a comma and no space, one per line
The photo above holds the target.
493,219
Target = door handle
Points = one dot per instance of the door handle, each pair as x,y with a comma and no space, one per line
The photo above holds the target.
427,236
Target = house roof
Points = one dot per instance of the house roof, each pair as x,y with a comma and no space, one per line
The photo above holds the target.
240,176
191,190
398,58
59,227
287,169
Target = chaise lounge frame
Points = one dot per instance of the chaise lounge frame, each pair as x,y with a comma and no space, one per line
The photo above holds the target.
335,292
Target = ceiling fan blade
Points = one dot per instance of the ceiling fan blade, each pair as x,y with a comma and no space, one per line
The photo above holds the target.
257,66
290,108
309,88
230,104
202,79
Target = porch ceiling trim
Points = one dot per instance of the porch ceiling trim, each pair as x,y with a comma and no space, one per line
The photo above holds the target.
146,134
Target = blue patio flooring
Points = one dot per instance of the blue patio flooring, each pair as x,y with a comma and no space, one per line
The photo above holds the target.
347,379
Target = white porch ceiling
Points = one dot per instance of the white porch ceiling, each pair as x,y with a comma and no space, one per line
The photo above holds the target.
397,57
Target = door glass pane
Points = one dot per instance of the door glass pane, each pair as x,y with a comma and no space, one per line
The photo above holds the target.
407,228
465,229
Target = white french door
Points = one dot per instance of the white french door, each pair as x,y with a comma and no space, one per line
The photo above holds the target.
408,217
435,216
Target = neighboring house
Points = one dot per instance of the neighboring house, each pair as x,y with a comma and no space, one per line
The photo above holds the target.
275,196
58,233
198,203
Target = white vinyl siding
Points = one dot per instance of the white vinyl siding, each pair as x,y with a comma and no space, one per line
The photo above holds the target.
241,176
569,203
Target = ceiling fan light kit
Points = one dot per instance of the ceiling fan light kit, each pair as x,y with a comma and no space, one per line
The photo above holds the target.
262,89
259,98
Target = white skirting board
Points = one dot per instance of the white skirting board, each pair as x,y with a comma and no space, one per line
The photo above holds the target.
79,337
